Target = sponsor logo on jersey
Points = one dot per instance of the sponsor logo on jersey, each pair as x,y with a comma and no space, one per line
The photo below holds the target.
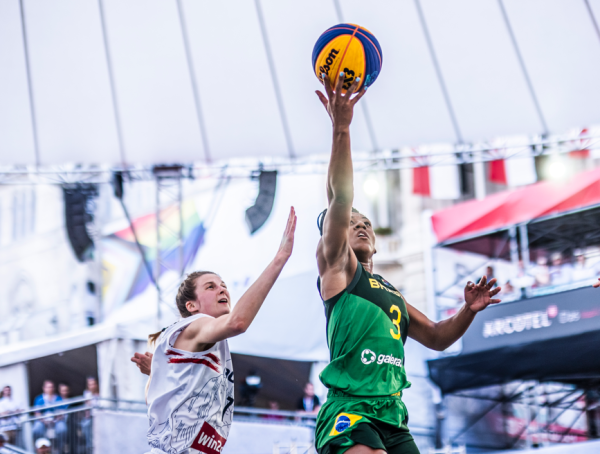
368,356
342,422
208,440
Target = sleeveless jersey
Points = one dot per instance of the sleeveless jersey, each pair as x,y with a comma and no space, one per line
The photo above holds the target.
190,395
367,325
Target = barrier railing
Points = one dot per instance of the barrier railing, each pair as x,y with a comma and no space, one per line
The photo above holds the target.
68,424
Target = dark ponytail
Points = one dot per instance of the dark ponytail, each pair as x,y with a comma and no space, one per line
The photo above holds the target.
186,292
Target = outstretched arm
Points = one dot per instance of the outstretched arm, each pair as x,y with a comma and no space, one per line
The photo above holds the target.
209,330
340,189
441,335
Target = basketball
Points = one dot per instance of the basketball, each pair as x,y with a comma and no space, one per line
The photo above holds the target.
349,48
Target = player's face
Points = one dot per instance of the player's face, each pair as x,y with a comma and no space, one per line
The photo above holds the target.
362,237
212,296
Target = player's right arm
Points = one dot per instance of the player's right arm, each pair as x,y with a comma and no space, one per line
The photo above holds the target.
334,257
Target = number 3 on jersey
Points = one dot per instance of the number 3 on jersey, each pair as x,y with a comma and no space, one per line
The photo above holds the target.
396,322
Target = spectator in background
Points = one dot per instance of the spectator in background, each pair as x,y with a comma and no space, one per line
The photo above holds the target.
64,391
92,393
43,446
541,273
274,405
309,402
8,405
581,271
40,426
489,274
92,390
522,280
560,273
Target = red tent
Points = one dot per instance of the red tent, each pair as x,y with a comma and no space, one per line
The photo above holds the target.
517,206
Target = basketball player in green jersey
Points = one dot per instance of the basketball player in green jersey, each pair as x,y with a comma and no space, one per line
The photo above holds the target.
368,320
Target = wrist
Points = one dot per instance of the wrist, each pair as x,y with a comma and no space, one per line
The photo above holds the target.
469,310
341,130
280,259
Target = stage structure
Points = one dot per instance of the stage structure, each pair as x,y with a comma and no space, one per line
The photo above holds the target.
121,84
526,373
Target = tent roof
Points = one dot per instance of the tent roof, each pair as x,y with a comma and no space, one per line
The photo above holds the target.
514,207
110,82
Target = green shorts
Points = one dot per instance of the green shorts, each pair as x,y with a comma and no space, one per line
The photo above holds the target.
379,423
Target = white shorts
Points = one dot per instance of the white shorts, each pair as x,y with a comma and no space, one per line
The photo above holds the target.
156,451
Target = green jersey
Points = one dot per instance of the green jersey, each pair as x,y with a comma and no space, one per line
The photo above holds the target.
367,325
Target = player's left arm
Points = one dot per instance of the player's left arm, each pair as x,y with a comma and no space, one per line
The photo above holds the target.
441,335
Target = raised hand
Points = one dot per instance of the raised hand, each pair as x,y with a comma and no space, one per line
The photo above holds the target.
287,242
479,296
143,362
340,107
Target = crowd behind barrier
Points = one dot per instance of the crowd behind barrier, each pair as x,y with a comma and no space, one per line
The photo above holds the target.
60,424
550,274
56,422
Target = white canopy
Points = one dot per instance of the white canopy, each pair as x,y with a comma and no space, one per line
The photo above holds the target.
77,74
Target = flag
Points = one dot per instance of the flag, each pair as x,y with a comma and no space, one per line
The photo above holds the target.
580,146
436,174
515,164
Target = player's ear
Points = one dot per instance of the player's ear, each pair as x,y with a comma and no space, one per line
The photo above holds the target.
190,306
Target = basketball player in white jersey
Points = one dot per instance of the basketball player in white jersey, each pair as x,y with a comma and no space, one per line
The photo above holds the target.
190,389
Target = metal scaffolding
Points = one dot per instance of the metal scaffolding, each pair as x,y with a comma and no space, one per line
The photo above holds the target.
170,264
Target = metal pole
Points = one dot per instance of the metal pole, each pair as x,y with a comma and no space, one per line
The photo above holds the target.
111,80
438,72
514,246
195,90
524,246
36,146
158,259
528,418
180,239
523,67
284,121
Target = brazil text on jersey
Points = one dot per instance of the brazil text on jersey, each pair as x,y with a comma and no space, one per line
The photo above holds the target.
376,284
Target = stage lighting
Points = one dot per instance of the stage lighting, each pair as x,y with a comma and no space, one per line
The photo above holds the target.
78,214
557,169
371,186
258,213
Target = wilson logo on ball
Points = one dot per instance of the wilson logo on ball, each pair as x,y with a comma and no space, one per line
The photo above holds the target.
350,49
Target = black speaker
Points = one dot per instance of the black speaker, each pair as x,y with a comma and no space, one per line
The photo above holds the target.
78,214
258,214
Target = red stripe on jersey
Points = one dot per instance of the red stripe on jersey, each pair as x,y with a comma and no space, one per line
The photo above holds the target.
195,361
214,358
171,352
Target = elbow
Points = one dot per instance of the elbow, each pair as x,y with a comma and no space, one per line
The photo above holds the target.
343,197
237,327
442,345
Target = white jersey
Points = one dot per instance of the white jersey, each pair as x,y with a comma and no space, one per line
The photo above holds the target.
190,395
